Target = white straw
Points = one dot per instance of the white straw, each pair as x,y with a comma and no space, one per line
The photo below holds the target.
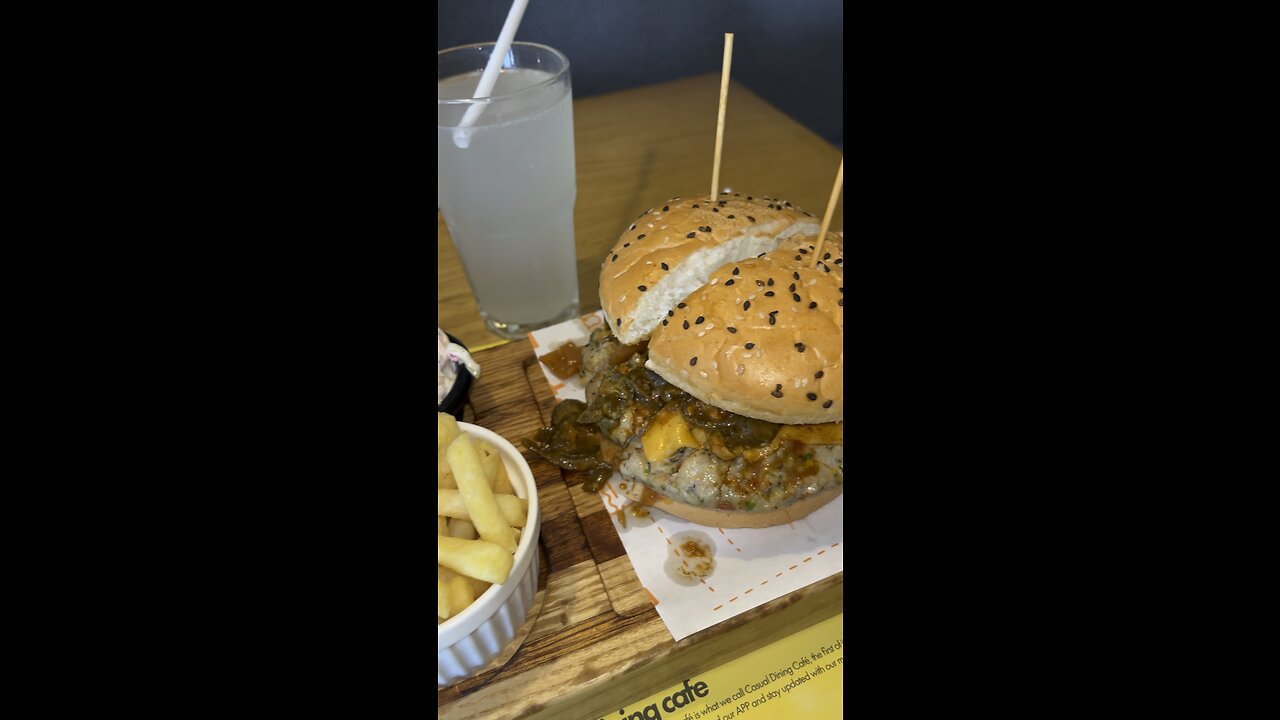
461,134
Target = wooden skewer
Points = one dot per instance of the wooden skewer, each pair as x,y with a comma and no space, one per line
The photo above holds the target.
831,208
724,96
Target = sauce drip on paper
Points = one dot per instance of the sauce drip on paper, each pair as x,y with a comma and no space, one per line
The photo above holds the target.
691,558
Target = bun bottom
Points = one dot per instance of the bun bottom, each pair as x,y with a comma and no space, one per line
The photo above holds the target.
712,517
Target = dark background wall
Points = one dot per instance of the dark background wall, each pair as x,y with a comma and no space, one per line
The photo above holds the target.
789,52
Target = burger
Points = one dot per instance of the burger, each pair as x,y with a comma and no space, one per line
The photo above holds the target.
717,388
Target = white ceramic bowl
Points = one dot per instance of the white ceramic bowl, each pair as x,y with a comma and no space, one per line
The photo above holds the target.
466,642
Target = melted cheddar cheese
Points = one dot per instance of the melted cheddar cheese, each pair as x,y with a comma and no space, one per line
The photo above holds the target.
666,434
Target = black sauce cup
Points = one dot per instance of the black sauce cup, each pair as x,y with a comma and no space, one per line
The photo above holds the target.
457,396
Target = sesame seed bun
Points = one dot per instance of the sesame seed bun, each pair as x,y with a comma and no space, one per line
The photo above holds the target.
764,337
670,250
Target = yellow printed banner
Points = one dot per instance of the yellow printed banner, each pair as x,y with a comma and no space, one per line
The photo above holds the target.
799,676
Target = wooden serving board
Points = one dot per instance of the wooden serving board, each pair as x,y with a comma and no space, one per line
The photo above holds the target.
597,642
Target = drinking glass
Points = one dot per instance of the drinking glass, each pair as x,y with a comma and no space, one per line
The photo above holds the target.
507,185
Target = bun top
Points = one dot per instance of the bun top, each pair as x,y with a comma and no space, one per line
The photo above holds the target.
764,337
669,251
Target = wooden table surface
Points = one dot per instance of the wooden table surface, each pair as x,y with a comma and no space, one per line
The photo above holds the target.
637,148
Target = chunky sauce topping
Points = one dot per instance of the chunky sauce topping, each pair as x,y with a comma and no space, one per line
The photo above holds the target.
564,361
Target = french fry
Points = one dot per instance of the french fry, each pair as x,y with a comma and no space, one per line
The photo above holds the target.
474,558
514,509
478,496
461,594
490,460
442,607
444,473
503,483
446,429
460,528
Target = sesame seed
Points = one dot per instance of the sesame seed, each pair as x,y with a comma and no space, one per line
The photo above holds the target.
800,347
772,320
761,255
693,360
839,261
633,225
826,404
686,324
729,281
748,217
699,320
795,296
795,276
615,259
770,281
731,329
811,396
692,234
730,217
749,345
803,251
695,205
769,294
619,322
746,305
792,288
750,198
626,245
681,305
722,203
841,302
777,392
818,375
735,271
715,209
640,236
760,283
797,257
641,288
664,322
813,305
664,266
705,228
824,267
665,208
841,291
826,256
671,313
